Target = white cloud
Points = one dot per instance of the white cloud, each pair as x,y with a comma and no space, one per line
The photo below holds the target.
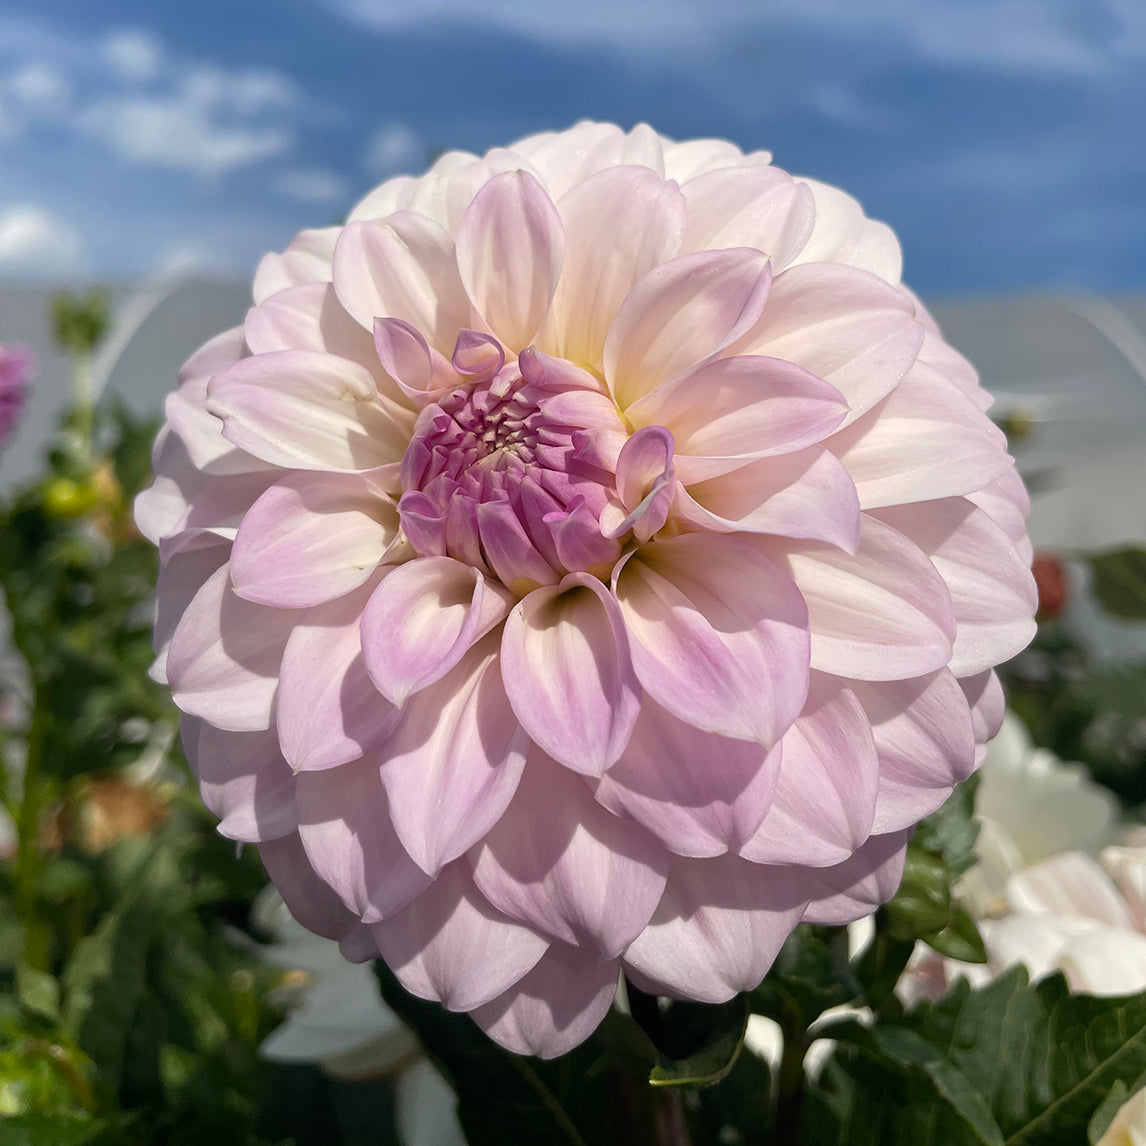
394,147
39,87
312,186
133,54
211,123
37,243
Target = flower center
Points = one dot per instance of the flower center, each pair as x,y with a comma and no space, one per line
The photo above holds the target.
501,474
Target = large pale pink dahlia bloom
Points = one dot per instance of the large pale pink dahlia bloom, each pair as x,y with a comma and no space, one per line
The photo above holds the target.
589,558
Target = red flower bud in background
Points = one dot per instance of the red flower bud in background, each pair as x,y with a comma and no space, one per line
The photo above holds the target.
1052,583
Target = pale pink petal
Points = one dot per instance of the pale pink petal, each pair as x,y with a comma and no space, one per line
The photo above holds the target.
568,673
306,260
856,887
844,325
1106,962
719,926
243,780
1009,505
421,373
304,410
310,901
402,267
510,250
477,356
181,576
423,619
509,549
735,409
829,776
699,793
310,538
693,157
924,441
882,614
224,658
761,207
718,634
925,740
993,594
560,863
393,195
453,763
984,694
619,225
681,313
349,837
553,1008
336,715
843,234
451,945
806,494
645,482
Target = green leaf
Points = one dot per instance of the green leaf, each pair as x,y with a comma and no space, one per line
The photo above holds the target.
47,1130
38,991
922,904
960,939
1118,582
1107,1110
950,832
1037,1059
811,974
716,1033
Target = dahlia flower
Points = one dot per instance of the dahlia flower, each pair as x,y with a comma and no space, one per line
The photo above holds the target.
588,559
15,371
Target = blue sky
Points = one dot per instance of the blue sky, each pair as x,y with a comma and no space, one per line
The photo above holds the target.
1004,139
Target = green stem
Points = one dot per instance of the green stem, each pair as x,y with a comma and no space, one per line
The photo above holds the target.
83,398
28,844
790,1077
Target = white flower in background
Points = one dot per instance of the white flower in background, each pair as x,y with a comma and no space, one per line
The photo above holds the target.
1129,1125
341,1024
1030,806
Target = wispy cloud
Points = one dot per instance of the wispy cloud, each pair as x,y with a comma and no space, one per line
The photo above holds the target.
394,148
312,185
37,244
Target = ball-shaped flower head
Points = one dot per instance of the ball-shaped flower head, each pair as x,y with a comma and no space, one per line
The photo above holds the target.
15,373
588,558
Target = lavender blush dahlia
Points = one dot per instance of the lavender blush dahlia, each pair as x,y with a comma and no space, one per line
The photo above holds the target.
588,559
15,373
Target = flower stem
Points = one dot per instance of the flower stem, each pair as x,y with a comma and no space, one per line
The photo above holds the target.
790,1077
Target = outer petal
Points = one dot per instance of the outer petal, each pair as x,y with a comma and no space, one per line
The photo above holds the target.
882,614
243,780
423,619
844,325
510,249
225,654
306,260
926,440
829,776
402,267
699,793
988,704
346,828
310,900
718,634
992,591
181,576
1009,505
619,225
560,863
735,409
568,673
681,313
856,887
452,946
454,762
555,1007
304,410
806,494
844,235
717,929
330,717
760,207
310,538
925,740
